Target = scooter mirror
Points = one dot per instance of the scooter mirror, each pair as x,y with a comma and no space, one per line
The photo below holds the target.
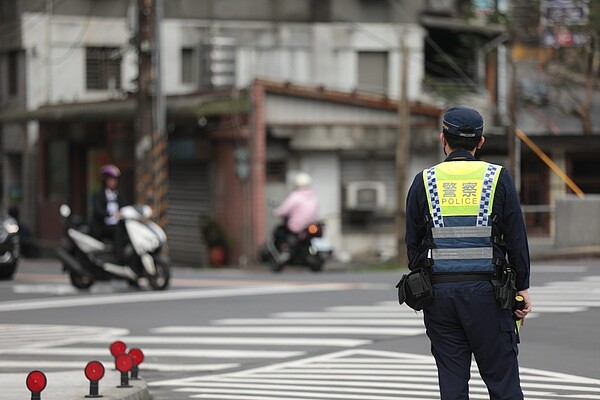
65,210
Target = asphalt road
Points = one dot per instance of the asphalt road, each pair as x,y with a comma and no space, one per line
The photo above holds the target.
250,334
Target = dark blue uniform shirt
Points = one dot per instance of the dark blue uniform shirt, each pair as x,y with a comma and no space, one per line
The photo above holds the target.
506,206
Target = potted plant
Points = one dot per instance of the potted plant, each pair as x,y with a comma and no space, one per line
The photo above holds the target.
215,239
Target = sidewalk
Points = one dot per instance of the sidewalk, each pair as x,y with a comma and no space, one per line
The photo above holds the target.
73,385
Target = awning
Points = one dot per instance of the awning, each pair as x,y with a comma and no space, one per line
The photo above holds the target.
178,107
460,25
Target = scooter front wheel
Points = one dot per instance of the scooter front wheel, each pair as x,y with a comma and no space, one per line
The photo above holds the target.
80,281
160,280
276,266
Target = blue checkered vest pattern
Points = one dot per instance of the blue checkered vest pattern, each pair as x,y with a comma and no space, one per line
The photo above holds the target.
460,196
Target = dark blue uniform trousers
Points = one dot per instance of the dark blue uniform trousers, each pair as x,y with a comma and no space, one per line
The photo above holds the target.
464,320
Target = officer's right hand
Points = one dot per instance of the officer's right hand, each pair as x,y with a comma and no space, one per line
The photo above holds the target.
522,313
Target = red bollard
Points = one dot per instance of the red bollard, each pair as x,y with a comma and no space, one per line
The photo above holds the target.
116,349
138,358
94,371
124,365
36,382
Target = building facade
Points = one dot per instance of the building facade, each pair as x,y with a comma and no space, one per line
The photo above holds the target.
318,77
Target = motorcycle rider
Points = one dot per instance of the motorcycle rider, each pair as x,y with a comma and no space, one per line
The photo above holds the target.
300,209
106,203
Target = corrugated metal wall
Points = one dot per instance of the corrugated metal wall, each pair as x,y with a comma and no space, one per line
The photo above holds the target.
189,197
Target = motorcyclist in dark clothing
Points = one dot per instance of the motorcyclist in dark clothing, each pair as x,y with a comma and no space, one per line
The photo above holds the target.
106,203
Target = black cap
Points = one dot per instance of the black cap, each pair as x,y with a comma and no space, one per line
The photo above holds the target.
463,121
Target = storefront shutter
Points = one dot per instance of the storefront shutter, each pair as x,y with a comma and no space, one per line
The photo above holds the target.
189,197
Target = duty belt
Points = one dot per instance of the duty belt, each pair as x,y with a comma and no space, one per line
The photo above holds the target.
460,277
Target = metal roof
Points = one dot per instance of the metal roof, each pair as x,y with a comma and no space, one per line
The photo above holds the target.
198,105
189,106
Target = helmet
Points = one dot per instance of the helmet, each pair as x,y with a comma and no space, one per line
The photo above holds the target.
303,179
110,170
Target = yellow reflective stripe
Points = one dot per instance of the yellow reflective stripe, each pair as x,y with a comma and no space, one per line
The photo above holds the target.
461,232
462,254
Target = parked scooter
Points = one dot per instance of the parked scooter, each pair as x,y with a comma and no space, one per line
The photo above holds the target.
9,247
88,259
307,248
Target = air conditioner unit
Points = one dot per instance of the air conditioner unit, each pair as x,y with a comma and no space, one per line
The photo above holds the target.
365,196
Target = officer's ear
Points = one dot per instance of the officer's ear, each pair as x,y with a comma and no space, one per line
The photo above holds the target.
481,142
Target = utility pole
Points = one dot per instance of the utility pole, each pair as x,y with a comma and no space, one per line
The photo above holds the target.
402,155
512,125
151,163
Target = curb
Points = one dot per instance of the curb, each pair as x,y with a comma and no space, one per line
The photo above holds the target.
73,385
568,253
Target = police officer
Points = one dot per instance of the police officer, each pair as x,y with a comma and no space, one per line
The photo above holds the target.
463,220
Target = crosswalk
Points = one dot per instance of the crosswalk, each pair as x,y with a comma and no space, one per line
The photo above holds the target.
219,355
362,374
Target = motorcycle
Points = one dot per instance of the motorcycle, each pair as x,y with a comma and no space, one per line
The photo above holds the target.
9,247
88,259
307,248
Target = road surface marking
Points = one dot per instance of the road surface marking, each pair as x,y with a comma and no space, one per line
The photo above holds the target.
251,341
378,375
128,298
16,336
295,329
150,352
70,365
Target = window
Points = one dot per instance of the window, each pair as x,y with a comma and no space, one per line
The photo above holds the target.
535,196
450,61
584,172
13,73
187,65
276,171
103,68
373,71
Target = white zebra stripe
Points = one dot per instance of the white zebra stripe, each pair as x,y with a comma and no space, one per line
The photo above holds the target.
292,329
251,341
150,352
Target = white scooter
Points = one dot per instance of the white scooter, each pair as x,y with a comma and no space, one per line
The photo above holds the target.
88,259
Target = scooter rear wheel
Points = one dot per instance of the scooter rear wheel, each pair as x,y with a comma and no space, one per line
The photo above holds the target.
160,280
315,263
81,281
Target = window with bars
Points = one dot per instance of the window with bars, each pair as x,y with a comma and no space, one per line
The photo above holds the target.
187,65
276,171
103,68
13,73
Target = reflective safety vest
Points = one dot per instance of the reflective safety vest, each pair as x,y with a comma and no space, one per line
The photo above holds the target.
460,196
